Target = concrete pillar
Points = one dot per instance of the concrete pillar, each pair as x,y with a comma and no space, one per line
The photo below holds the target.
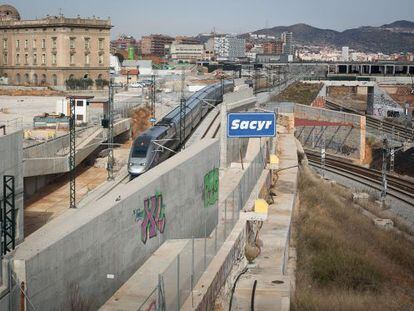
370,69
393,70
370,100
223,138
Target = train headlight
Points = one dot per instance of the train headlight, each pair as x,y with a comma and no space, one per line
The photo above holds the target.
130,164
143,163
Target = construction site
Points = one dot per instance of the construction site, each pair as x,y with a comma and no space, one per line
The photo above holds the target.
223,223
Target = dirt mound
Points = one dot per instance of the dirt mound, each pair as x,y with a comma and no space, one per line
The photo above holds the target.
7,92
140,120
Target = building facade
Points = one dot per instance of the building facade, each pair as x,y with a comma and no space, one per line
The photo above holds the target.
186,40
345,54
228,47
51,50
187,52
287,39
155,44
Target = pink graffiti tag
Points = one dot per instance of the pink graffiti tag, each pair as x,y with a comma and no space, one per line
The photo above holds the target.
153,217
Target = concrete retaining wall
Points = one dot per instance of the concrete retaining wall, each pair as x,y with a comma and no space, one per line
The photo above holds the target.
344,133
44,162
235,147
11,163
81,247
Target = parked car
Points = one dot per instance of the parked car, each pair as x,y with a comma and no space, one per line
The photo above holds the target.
137,85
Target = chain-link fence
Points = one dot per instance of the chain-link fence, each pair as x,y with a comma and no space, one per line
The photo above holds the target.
177,282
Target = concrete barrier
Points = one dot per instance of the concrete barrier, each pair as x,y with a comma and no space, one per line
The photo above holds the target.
116,234
344,133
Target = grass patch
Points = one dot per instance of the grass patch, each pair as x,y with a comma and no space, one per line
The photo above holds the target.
343,261
301,93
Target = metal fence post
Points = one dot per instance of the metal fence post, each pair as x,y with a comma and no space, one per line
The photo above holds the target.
178,282
225,220
232,216
192,271
215,241
205,253
159,298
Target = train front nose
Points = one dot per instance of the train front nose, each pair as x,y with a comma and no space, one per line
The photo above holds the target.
137,166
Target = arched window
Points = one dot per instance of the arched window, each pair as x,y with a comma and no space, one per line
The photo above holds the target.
100,77
18,79
44,79
71,77
55,81
35,79
26,78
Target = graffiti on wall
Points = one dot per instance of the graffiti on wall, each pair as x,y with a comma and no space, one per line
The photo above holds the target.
211,187
151,218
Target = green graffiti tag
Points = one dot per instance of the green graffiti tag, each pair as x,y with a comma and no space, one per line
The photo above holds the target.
211,187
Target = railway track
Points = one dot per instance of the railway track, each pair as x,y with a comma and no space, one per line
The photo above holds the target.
210,127
396,130
399,188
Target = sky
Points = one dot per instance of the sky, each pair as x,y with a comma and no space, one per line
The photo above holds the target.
190,17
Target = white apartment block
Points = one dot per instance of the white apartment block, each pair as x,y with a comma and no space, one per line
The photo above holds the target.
228,47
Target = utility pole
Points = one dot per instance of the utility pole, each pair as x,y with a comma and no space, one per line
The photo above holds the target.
183,108
323,156
111,159
392,159
153,99
72,151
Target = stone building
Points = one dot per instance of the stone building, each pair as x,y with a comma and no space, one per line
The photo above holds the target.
51,50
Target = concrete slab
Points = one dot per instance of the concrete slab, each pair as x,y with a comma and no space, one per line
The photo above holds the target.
273,284
139,287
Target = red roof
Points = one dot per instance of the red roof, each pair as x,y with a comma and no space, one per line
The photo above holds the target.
132,72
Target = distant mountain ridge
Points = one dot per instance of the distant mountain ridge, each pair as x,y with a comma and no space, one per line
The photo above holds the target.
390,38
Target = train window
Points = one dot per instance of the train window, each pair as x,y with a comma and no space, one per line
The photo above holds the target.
393,114
140,147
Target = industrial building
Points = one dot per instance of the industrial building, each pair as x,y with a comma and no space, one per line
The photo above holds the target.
51,50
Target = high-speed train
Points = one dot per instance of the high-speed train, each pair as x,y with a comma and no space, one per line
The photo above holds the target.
148,149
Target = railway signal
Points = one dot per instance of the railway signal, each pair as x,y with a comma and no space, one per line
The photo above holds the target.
385,151
323,157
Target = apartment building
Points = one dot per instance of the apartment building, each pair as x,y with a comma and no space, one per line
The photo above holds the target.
155,44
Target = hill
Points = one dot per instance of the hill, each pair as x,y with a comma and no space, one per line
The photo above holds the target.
391,38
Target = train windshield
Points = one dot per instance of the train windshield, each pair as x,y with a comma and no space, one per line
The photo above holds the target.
140,147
